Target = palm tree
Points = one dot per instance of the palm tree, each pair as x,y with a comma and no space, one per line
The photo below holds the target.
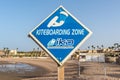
98,47
119,47
16,51
33,49
88,47
92,47
112,47
38,48
116,46
102,46
16,48
6,51
33,52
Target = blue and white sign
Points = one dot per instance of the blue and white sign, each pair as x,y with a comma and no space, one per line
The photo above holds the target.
60,34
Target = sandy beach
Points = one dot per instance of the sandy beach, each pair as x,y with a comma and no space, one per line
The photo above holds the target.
46,69
43,66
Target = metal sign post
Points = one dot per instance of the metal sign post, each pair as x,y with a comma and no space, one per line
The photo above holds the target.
79,67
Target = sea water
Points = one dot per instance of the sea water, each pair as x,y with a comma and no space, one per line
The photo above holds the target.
16,67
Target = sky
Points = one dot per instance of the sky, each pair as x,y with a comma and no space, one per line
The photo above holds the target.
19,17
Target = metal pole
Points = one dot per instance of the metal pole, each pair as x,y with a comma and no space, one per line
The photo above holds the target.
105,73
79,67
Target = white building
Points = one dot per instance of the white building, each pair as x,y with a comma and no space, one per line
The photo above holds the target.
13,52
95,57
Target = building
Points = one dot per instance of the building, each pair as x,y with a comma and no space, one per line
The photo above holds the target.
1,53
94,57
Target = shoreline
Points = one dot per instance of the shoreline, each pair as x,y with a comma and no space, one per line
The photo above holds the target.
39,63
47,70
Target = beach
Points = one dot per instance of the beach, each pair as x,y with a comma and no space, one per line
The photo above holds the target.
46,69
42,66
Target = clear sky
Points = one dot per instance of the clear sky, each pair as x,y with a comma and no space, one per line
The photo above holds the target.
19,17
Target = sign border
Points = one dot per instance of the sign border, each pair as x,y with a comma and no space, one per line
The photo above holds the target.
72,51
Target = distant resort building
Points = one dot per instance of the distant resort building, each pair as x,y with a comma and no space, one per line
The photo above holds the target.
1,52
89,55
97,55
13,52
